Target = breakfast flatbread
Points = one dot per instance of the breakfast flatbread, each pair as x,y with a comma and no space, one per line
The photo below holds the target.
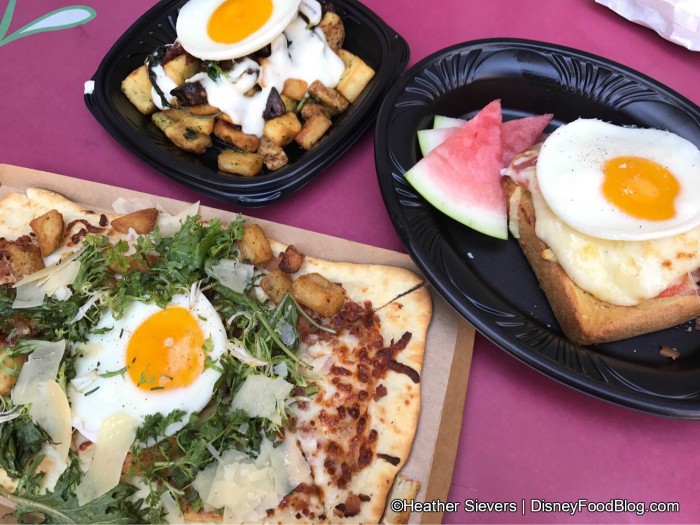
293,396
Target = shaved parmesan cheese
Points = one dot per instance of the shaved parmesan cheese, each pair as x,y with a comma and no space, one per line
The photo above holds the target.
52,466
245,487
42,365
63,276
233,274
243,355
45,273
114,438
286,332
262,396
172,511
29,296
51,411
168,224
52,280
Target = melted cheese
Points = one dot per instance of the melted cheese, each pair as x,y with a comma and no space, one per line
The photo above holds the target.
619,272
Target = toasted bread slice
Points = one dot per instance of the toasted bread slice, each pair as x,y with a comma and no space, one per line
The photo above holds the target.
583,318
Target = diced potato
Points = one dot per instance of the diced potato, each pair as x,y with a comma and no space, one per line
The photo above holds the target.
273,155
137,88
180,68
329,97
313,130
162,120
18,258
240,162
235,137
203,125
356,76
276,284
319,294
289,103
142,221
295,88
254,246
8,379
203,109
311,108
187,138
282,130
48,229
226,118
334,30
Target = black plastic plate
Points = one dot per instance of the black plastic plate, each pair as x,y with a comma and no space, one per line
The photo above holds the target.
367,36
488,281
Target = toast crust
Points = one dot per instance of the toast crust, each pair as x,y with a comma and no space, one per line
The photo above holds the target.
583,318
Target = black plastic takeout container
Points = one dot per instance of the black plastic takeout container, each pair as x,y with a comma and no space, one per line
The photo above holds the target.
367,36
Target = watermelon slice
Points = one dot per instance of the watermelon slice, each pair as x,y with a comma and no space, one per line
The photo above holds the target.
462,176
518,135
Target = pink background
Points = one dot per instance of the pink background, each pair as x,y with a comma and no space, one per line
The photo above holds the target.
524,436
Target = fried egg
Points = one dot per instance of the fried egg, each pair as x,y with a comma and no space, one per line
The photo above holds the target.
152,360
229,29
620,183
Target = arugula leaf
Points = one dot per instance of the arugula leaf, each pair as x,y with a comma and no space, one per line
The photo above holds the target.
21,442
61,505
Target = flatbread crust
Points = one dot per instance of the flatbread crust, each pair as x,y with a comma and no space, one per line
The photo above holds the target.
402,304
583,318
15,217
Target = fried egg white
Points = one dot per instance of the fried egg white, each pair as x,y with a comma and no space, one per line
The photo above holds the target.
149,361
229,29
620,183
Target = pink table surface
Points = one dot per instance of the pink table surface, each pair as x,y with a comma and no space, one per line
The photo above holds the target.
524,436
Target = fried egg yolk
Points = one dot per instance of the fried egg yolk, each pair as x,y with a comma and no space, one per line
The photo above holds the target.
165,351
235,20
640,187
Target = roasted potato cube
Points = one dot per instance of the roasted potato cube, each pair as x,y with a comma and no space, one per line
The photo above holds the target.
199,124
48,229
282,130
254,246
162,120
203,109
311,108
334,30
18,258
291,260
142,221
273,155
356,76
226,118
137,88
187,138
240,162
290,103
235,137
276,284
295,88
319,294
10,371
313,130
180,68
329,97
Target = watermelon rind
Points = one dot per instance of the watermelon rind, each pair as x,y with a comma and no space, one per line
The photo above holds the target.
429,139
441,121
488,222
